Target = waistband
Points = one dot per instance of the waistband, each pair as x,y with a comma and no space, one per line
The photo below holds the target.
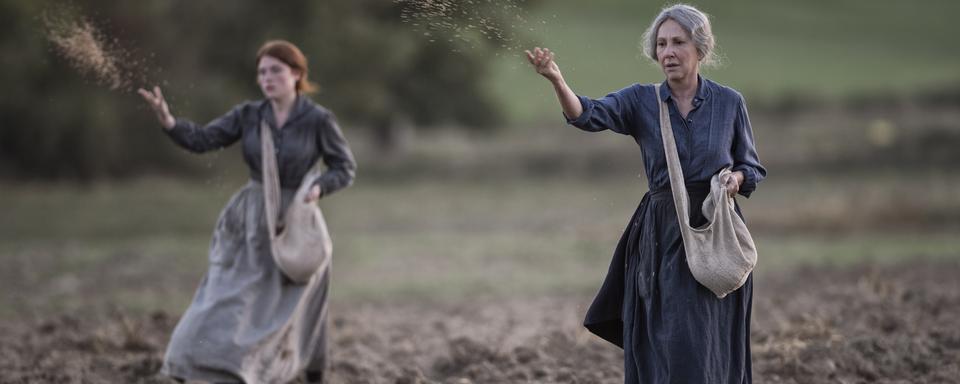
695,189
256,183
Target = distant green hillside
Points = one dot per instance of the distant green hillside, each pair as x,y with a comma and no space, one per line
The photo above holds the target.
770,48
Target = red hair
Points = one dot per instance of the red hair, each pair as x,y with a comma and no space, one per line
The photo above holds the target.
290,55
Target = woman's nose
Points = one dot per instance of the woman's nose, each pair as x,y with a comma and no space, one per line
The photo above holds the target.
668,51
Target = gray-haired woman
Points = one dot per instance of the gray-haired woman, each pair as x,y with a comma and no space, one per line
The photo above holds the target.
671,328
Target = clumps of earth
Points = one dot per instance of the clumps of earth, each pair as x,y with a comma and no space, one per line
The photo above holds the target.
858,324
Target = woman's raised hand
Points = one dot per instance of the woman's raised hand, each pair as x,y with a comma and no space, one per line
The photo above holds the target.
159,106
542,61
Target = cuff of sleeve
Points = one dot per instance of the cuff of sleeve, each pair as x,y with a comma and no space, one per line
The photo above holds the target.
749,179
587,107
178,126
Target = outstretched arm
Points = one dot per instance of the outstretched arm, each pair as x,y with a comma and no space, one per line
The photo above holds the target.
219,133
543,61
613,112
159,106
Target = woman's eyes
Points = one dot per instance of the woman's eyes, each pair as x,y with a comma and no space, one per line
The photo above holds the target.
273,70
675,42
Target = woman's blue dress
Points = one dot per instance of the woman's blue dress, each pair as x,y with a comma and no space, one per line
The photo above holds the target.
671,328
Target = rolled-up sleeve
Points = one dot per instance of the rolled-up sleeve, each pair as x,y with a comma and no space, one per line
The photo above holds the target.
336,154
221,132
613,112
745,157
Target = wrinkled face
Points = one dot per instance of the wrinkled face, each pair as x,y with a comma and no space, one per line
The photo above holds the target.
676,52
276,79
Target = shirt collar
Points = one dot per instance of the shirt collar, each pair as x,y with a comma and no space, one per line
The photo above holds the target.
301,105
703,91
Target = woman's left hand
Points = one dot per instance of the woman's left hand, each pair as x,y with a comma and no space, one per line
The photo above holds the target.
733,181
313,195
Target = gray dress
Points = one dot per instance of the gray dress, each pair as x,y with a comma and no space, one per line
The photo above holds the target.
248,322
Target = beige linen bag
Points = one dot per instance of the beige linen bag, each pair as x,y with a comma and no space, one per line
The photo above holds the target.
721,254
302,246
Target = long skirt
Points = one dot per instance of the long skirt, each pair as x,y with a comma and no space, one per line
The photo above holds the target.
248,322
671,328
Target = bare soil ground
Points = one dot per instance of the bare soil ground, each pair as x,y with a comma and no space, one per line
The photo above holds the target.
860,324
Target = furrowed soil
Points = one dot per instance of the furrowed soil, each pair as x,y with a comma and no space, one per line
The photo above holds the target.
858,324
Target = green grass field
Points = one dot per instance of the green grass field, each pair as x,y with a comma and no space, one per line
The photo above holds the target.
142,245
769,48
465,217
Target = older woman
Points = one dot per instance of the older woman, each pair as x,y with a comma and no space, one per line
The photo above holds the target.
671,328
248,322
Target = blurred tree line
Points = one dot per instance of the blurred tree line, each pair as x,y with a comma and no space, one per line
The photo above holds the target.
374,70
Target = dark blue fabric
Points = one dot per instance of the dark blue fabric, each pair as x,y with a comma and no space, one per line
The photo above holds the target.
672,329
716,134
310,133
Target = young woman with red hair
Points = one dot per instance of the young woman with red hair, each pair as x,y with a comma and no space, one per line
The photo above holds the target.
248,322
